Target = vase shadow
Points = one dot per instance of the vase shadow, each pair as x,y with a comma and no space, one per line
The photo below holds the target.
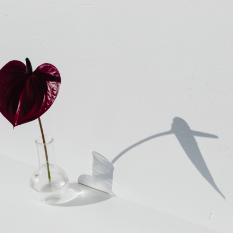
81,195
102,174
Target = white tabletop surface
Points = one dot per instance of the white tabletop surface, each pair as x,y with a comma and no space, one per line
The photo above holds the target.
90,211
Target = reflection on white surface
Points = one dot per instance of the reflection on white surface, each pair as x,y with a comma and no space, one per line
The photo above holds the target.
79,195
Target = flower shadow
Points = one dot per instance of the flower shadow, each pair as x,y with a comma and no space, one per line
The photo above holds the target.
102,170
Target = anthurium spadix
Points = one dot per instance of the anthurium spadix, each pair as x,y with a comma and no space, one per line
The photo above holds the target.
26,95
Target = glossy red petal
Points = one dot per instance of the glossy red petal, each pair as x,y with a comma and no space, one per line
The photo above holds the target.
12,70
11,91
13,66
49,72
25,97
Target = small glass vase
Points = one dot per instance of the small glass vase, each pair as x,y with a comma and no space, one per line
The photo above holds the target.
49,183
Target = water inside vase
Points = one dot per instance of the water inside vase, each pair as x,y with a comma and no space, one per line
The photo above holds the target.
48,192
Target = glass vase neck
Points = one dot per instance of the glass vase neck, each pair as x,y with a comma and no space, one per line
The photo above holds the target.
45,151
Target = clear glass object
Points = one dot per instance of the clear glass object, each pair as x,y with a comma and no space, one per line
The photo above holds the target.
49,183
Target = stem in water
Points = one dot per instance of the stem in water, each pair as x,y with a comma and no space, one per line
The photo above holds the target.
45,149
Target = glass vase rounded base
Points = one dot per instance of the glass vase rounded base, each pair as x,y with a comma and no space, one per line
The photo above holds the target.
47,191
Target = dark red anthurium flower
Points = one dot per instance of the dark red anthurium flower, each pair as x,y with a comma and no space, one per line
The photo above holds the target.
26,95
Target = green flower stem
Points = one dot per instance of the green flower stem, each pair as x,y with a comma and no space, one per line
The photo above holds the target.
45,149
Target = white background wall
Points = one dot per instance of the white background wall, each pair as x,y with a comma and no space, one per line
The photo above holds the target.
128,69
